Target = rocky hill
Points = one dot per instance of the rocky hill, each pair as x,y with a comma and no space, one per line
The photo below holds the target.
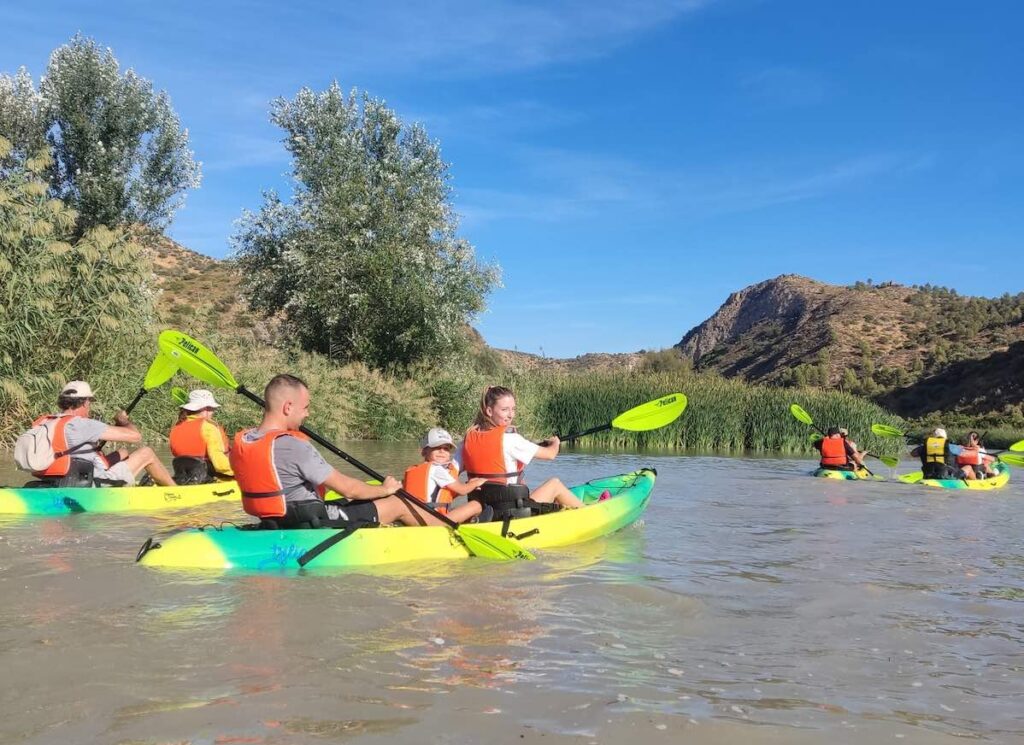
886,341
914,349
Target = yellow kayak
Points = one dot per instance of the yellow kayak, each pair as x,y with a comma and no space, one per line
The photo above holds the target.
70,500
230,547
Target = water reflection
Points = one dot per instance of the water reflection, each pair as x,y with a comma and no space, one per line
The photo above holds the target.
749,595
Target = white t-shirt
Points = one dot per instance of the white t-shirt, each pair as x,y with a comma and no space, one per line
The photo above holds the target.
438,478
515,447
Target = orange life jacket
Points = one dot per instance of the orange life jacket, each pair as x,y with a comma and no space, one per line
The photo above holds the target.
187,439
484,457
257,477
416,481
62,456
969,456
833,452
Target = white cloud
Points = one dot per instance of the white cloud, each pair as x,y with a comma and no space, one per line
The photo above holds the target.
574,185
783,86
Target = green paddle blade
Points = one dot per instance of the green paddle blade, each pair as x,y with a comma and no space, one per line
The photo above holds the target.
160,371
797,411
195,359
886,430
1018,447
813,437
179,395
911,478
653,414
1012,459
887,460
491,545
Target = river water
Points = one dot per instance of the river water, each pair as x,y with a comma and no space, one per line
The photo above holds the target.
753,604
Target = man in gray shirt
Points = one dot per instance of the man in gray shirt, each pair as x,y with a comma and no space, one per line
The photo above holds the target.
83,435
302,473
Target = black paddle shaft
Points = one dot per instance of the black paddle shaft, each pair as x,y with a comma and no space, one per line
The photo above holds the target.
408,498
576,435
128,410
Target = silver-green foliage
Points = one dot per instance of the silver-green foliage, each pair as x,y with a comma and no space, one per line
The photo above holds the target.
365,263
69,307
118,152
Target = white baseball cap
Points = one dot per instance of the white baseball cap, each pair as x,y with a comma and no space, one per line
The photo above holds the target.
940,432
78,389
200,399
436,438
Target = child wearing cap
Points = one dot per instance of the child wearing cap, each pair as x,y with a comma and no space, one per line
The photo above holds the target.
199,445
435,480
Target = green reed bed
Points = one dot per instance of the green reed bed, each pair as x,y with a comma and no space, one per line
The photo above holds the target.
722,416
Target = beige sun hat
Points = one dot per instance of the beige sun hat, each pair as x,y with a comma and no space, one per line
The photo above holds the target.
200,399
78,389
436,438
940,432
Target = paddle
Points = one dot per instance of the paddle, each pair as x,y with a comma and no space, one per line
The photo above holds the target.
801,415
196,360
651,415
179,395
161,369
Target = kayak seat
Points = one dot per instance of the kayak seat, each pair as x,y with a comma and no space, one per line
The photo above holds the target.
300,516
188,470
79,475
506,500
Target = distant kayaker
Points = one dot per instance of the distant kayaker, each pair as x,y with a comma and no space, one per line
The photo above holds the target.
436,480
938,457
838,452
199,445
76,443
283,477
494,451
973,459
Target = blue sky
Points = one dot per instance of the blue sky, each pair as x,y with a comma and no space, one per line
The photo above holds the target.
628,164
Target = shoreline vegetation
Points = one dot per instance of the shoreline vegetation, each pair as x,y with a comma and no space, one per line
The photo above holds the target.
358,282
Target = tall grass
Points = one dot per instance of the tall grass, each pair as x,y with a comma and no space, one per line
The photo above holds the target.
722,416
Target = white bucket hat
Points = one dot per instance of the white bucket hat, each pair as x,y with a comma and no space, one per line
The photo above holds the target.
78,389
940,432
437,437
200,399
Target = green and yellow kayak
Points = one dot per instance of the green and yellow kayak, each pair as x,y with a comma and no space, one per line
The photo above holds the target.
232,547
66,501
859,475
1001,479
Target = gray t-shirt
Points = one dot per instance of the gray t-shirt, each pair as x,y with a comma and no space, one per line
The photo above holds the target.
79,431
299,466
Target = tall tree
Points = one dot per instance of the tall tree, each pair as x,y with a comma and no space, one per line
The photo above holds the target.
118,152
365,263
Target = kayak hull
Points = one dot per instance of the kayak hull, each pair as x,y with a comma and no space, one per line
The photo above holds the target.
993,482
858,475
71,500
231,547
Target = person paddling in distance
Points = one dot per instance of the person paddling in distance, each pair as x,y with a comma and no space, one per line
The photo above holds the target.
283,477
199,445
436,480
494,451
973,459
938,457
837,452
76,443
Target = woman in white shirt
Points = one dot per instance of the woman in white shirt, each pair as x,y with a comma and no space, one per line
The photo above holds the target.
494,451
